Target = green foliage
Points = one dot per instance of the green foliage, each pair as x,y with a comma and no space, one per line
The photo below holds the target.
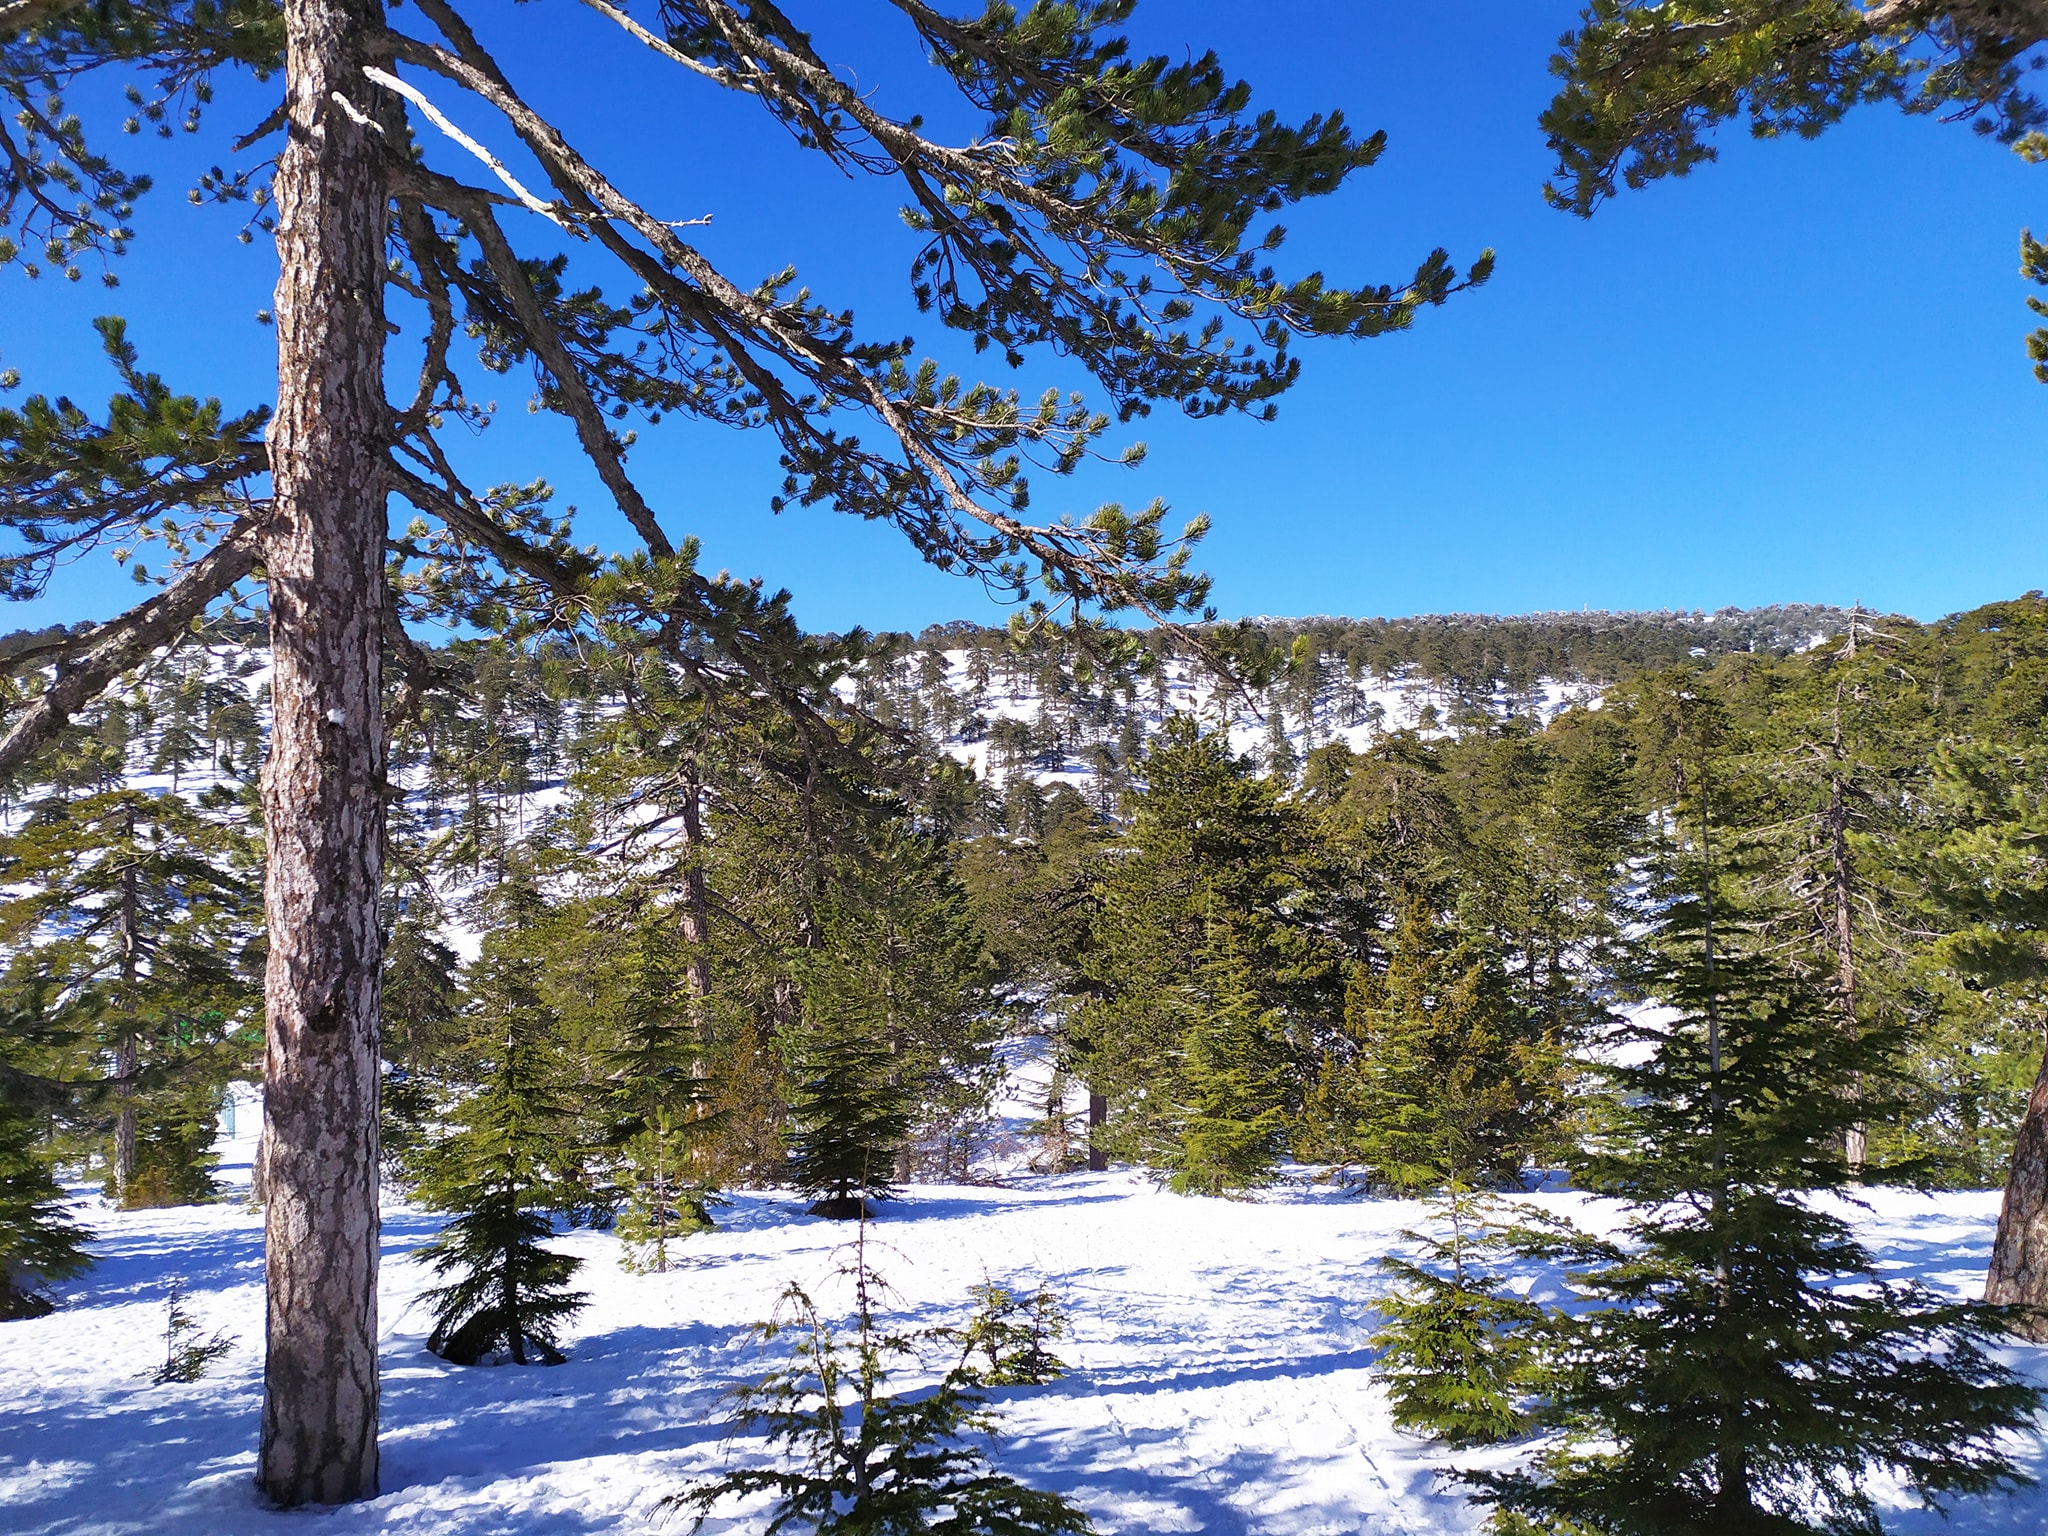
1008,1341
1645,84
40,1239
860,1459
174,1157
1458,1355
1201,972
422,1006
1446,1078
186,1357
162,468
1233,1077
849,1114
503,1295
135,913
1751,1370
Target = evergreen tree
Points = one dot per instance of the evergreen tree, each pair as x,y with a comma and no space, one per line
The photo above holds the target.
1458,1353
862,1460
660,1098
422,1012
1205,960
185,1357
1443,1076
135,911
1128,194
849,1114
1233,1080
40,1239
1750,1369
503,1296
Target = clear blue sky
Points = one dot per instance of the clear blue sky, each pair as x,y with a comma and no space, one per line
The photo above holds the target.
1796,376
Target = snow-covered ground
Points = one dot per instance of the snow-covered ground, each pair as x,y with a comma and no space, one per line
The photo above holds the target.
1220,1373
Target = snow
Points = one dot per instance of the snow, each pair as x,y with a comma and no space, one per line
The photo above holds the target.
1220,1367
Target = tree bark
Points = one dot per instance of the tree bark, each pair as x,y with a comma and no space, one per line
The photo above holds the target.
696,908
1842,874
127,1059
126,1064
1098,1122
2019,1253
323,804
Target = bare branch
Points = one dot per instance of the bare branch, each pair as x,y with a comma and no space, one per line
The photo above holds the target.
497,168
673,55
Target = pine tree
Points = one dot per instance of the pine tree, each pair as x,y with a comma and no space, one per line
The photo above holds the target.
859,1459
1444,1078
849,1115
660,1097
1213,856
422,1005
1008,1340
1021,252
40,1239
1750,1369
504,1296
136,911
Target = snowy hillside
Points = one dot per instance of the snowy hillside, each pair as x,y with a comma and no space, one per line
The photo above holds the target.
1220,1368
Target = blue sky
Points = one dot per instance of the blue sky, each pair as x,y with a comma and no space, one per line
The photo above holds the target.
1795,376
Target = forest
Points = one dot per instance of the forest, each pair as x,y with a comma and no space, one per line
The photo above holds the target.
1229,924
635,1051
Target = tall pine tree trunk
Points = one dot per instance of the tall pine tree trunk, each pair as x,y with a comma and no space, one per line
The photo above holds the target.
127,1057
696,909
323,802
1841,882
2019,1254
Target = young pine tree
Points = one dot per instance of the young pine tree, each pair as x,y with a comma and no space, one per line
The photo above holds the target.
1750,1370
1446,1078
660,1090
849,1115
504,1296
859,1459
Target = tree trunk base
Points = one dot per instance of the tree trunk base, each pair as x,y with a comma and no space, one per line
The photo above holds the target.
2019,1254
842,1208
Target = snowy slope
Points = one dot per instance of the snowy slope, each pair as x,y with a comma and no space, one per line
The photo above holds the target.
1220,1374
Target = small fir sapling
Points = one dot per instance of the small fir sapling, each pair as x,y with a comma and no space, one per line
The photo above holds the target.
857,1459
664,1201
186,1356
505,1297
850,1119
1009,1340
1458,1354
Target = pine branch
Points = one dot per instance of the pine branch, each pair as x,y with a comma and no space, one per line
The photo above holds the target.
83,670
